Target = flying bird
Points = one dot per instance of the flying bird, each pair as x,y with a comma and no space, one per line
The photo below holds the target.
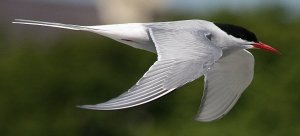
186,50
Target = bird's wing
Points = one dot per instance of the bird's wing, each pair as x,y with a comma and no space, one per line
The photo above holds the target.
183,56
224,83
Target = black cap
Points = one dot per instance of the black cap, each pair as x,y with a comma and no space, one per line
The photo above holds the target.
238,32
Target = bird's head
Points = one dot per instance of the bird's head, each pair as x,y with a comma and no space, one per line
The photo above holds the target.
248,38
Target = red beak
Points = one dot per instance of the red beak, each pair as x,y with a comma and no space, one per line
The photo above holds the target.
265,47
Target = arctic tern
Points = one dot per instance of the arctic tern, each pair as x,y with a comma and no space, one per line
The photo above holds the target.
186,50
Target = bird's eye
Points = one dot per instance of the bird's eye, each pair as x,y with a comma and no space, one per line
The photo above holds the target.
208,36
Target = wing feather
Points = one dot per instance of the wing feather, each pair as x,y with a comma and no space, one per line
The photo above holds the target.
175,67
224,83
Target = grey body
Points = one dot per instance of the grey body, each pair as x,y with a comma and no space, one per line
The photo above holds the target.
186,50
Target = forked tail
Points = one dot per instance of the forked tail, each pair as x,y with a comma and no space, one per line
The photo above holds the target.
50,24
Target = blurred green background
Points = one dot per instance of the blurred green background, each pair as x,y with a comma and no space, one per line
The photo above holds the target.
43,80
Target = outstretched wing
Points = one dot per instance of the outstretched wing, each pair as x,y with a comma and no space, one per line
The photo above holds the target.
224,83
183,56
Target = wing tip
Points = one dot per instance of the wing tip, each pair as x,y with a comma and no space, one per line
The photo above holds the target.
207,118
90,107
98,107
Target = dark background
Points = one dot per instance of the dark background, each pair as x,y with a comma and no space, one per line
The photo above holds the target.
46,72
